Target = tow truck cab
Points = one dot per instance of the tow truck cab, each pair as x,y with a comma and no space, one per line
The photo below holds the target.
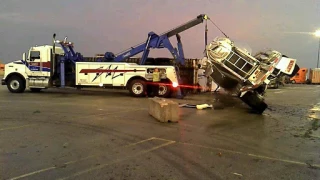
32,71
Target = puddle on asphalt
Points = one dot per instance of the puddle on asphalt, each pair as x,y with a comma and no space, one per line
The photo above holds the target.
314,112
316,134
314,130
315,109
313,116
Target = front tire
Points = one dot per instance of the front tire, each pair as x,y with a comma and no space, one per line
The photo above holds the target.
138,88
16,84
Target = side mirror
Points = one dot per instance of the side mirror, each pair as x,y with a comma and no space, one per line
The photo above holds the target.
24,56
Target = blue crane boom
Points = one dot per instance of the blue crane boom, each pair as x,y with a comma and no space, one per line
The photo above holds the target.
158,41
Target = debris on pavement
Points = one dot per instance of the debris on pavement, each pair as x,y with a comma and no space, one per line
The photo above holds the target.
198,106
237,174
35,112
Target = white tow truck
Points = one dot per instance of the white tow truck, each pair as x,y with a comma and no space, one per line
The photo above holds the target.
49,66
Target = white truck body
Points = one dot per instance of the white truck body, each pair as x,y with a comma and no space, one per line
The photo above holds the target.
116,74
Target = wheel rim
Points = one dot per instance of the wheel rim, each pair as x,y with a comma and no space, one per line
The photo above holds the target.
137,88
14,84
162,90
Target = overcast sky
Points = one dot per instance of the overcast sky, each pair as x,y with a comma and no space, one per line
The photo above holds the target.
98,26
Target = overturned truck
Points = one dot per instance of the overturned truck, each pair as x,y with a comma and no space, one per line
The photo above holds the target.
240,73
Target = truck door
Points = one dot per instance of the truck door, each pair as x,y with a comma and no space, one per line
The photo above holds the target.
38,64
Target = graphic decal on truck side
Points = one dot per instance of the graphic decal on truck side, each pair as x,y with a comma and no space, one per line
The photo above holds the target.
99,71
35,66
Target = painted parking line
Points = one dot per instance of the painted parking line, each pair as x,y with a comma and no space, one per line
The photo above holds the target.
253,155
119,160
92,156
168,142
16,127
242,153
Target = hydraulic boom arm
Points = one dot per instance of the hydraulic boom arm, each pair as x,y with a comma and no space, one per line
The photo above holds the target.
186,26
158,41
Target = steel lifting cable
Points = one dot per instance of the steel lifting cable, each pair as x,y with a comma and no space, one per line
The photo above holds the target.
209,48
206,32
218,28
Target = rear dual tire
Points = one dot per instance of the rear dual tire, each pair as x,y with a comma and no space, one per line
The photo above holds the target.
139,88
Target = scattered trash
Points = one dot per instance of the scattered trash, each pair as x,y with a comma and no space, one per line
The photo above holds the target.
37,111
237,174
312,166
220,154
198,106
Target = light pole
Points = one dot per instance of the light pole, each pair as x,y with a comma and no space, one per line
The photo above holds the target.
317,34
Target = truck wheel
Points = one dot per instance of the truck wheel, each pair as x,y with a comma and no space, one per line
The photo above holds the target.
138,88
16,84
164,91
253,100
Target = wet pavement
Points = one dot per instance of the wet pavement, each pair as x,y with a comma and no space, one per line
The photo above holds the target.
71,134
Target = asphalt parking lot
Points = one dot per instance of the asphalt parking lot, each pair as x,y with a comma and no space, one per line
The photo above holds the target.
72,134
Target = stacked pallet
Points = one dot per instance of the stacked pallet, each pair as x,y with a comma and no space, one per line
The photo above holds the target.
314,75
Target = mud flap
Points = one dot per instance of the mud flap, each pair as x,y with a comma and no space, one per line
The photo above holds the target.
253,100
180,93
